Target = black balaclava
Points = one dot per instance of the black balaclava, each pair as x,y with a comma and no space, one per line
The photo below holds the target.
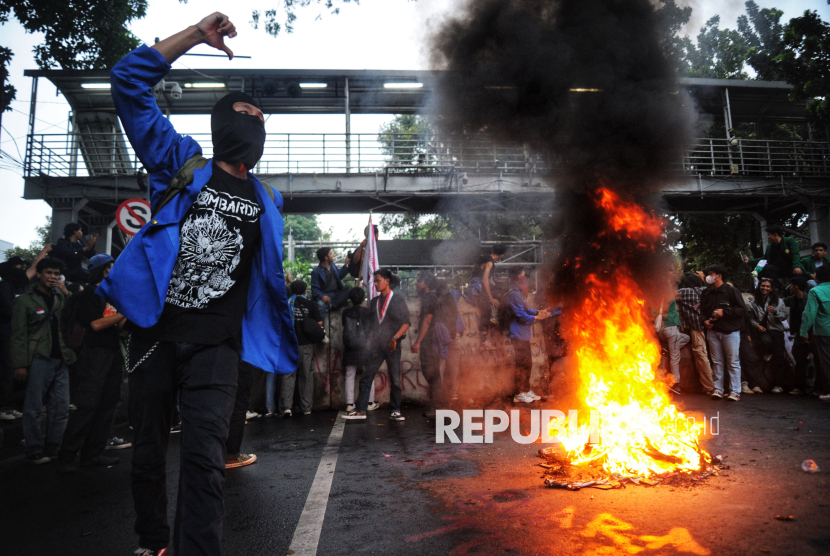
237,137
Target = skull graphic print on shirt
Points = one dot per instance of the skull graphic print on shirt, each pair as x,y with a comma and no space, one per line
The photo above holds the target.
211,244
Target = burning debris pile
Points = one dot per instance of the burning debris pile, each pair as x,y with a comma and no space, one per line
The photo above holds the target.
562,473
588,83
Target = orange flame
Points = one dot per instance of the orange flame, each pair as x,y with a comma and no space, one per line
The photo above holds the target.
617,354
628,217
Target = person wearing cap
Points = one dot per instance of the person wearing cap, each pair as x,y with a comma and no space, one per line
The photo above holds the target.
98,390
202,286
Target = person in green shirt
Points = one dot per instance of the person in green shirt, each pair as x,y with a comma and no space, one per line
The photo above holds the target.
675,340
816,318
782,255
815,261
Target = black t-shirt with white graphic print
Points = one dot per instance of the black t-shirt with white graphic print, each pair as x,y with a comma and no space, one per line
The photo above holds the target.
208,290
304,308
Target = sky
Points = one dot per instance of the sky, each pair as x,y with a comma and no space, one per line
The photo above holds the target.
376,34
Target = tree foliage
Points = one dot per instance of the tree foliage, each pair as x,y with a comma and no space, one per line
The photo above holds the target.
805,64
44,236
303,228
718,54
81,34
273,23
763,36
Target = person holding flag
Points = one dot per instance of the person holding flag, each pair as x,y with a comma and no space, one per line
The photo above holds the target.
364,262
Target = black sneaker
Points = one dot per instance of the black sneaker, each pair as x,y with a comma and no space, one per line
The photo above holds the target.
38,459
116,443
100,459
176,427
430,413
150,552
675,389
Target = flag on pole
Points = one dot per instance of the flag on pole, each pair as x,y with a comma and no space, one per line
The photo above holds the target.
370,261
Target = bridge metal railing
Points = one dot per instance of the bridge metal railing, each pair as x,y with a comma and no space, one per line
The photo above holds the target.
59,155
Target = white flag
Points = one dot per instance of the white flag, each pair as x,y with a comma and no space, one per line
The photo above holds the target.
370,262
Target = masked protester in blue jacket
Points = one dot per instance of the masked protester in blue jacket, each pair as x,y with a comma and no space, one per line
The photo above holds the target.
201,286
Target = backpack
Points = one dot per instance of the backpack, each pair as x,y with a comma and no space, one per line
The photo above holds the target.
184,177
355,332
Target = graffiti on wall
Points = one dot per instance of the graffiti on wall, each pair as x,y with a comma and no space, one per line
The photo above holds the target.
482,371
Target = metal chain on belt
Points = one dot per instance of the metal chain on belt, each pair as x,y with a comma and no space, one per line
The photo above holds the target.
140,361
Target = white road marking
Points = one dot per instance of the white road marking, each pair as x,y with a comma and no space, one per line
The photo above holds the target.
307,533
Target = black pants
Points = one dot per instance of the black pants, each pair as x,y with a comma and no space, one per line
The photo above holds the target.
96,397
821,348
6,376
801,351
374,359
240,408
772,342
431,368
205,378
523,365
750,362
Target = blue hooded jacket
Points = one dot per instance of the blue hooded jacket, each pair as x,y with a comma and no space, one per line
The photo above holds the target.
137,284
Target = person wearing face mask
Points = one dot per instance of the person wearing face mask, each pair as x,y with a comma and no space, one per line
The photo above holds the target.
201,286
723,309
522,318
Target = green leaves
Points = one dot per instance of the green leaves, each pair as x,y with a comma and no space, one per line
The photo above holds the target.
271,21
805,63
82,34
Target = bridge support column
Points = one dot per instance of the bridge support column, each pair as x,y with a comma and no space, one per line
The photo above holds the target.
763,222
65,211
819,222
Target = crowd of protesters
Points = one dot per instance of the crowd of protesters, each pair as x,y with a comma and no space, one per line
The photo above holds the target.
771,339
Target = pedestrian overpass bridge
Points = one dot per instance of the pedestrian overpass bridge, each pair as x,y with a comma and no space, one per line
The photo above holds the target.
86,173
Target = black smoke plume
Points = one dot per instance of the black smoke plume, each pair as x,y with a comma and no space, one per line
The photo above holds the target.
583,83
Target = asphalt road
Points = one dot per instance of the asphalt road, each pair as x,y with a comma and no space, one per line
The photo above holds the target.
395,491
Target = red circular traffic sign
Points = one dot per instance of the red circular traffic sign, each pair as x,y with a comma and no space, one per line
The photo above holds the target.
132,214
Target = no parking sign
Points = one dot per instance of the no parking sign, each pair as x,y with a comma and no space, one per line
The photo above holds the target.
132,214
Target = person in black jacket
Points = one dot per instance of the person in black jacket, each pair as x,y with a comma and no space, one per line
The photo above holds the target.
723,309
356,328
15,279
99,375
72,250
